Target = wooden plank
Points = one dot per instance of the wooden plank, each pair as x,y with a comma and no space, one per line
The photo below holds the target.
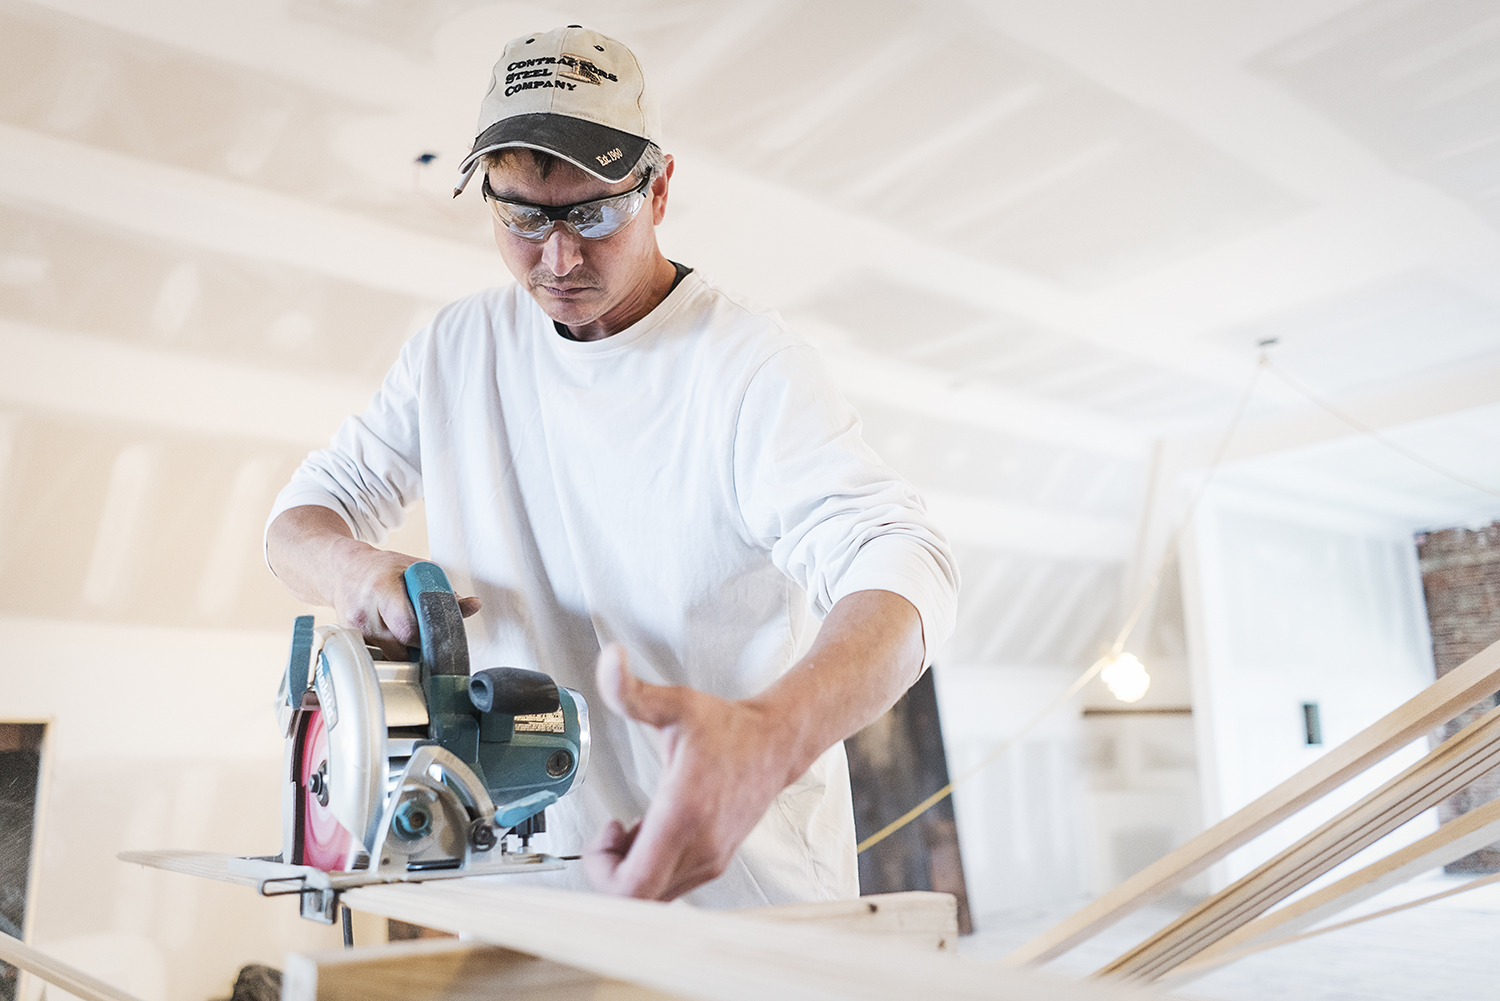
208,865
1477,678
895,762
1453,840
59,974
1448,768
920,917
1472,884
709,956
446,970
451,970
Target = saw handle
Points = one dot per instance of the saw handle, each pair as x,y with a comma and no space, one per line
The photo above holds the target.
300,660
440,624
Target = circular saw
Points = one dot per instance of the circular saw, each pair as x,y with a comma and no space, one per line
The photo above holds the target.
418,769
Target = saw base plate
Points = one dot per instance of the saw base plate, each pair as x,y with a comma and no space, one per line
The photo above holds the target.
319,890
269,869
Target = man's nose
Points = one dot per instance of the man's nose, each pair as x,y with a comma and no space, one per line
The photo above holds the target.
560,251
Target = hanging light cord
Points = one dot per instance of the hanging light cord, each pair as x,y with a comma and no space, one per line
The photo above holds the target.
1168,552
1114,649
1363,428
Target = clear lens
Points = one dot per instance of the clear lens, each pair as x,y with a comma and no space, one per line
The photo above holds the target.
522,220
591,220
600,219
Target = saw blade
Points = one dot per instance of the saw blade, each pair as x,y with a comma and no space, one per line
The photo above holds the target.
325,842
349,697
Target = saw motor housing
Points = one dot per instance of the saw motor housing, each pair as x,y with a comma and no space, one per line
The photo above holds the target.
427,767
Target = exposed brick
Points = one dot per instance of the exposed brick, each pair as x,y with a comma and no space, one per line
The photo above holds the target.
1461,581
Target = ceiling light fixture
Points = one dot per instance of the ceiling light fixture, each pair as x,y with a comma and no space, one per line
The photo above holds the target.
1126,677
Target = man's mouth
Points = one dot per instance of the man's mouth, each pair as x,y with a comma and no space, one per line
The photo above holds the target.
564,291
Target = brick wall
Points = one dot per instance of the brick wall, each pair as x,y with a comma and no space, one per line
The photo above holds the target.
1461,581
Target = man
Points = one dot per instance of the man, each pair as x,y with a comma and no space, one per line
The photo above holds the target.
619,459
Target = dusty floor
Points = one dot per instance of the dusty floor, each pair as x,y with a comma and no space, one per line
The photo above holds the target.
1448,949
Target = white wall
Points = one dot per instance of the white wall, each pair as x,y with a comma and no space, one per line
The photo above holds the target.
158,738
1291,602
1140,759
1020,820
1142,797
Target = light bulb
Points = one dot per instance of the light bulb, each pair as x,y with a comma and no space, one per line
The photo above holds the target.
1126,677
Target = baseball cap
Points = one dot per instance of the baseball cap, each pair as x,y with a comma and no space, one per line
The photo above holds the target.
571,92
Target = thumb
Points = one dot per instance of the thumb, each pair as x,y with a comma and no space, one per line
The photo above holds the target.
629,696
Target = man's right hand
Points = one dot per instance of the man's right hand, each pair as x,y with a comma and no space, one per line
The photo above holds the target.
313,553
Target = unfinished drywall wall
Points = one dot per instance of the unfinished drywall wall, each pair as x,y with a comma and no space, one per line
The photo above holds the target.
161,738
1292,603
1020,819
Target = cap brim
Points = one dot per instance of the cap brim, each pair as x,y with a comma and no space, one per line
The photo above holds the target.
606,153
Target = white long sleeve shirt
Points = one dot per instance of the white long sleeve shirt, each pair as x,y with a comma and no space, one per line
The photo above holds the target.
692,487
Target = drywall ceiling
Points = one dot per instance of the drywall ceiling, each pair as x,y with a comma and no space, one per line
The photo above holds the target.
1030,239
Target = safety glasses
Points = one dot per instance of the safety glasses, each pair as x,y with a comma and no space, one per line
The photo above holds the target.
592,220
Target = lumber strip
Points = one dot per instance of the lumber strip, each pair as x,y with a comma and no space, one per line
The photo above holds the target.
1445,770
706,955
1453,840
445,970
1476,678
1472,884
208,865
922,917
59,974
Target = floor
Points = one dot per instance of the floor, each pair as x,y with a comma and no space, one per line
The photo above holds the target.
1447,949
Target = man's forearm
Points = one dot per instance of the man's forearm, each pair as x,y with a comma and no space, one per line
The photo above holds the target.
867,654
303,548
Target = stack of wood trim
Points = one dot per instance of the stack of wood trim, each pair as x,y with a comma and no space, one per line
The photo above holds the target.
1230,915
1453,765
1453,840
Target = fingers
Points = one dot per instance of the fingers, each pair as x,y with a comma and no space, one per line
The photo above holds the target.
659,858
602,857
397,627
627,695
611,675
397,615
627,864
375,601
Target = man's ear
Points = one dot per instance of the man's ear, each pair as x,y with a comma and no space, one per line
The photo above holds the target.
659,192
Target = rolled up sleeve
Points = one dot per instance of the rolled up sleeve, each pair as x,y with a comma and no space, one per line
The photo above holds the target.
835,518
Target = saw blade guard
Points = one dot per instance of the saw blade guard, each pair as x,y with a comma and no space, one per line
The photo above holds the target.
348,691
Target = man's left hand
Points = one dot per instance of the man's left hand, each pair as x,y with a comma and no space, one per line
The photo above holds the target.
722,766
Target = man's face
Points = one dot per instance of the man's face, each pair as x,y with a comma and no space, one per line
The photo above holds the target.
594,287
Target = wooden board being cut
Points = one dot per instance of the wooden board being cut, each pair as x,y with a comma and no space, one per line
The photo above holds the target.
707,956
916,917
665,950
207,865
